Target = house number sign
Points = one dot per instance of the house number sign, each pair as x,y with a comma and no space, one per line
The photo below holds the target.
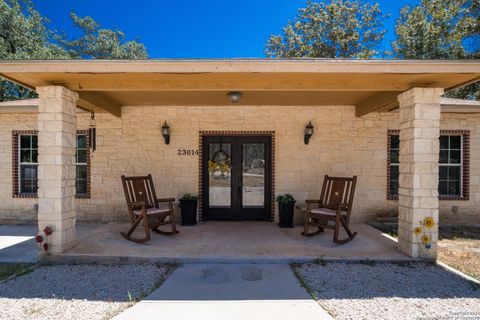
187,152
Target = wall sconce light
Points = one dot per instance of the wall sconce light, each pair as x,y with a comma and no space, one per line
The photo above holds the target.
308,132
234,96
166,133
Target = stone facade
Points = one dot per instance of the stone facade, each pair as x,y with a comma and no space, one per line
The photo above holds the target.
418,185
341,145
57,131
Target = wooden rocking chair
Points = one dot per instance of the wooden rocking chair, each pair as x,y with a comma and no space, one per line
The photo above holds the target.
143,207
334,205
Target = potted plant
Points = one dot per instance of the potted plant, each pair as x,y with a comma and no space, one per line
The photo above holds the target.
188,207
286,206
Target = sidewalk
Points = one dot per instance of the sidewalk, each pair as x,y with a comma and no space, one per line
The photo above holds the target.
17,244
228,291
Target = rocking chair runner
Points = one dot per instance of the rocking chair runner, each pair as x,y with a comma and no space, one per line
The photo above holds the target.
334,205
143,206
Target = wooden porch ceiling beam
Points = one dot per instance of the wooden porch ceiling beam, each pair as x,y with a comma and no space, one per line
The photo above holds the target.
225,82
384,101
95,101
86,100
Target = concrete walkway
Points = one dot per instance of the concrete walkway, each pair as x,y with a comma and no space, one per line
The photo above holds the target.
17,244
229,291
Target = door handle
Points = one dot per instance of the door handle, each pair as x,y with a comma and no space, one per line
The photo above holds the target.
239,180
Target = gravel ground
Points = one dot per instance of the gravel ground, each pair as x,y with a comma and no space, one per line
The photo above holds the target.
78,291
390,291
458,245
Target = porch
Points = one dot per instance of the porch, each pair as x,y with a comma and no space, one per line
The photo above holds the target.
227,241
349,101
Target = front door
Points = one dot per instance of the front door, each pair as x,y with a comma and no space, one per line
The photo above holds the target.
236,177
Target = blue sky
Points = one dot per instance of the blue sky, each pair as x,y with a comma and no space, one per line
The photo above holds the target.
194,28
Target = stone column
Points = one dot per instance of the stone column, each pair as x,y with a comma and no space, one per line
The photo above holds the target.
418,181
56,165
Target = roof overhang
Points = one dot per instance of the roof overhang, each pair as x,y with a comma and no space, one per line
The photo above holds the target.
370,85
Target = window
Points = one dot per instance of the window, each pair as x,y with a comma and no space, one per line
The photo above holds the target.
450,166
81,162
28,164
453,182
25,164
394,162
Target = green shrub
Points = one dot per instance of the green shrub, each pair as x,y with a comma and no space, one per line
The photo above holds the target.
188,196
285,198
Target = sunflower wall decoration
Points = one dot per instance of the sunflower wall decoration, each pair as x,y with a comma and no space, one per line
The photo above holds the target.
424,233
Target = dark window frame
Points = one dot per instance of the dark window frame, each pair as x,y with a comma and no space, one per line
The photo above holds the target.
87,141
16,163
465,164
16,134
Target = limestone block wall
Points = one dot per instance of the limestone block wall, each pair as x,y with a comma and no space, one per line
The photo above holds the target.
10,208
341,145
419,115
19,210
57,140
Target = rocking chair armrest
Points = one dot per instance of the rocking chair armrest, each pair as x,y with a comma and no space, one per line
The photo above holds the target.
135,205
312,201
342,206
165,200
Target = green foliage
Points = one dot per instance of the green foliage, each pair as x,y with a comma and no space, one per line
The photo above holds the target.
475,286
470,92
285,198
437,29
296,268
188,196
368,262
97,43
338,29
9,270
24,35
320,261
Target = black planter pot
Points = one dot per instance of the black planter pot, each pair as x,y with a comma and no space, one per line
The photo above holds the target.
285,211
189,212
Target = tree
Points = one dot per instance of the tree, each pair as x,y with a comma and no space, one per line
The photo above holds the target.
337,29
96,43
24,35
438,29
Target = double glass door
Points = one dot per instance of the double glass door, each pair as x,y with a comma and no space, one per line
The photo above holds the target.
236,177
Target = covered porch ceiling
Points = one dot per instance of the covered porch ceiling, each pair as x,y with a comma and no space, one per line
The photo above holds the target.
369,85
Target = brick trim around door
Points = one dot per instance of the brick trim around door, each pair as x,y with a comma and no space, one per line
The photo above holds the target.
203,134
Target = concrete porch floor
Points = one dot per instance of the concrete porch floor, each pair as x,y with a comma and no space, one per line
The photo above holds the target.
221,241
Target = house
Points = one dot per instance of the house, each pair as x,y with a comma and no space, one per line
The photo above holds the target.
384,121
